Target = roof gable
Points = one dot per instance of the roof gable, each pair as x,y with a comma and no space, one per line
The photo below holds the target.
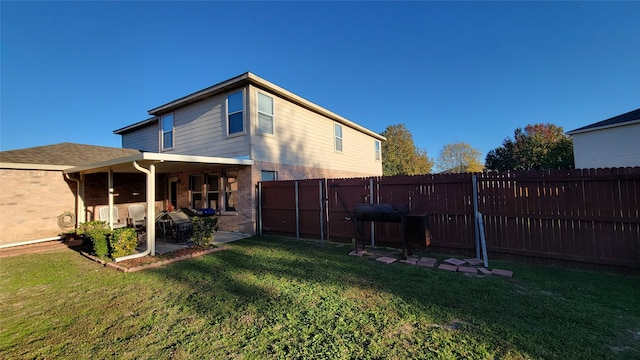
624,119
67,154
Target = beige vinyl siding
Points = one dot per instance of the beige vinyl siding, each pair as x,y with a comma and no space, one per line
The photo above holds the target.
305,138
145,139
200,129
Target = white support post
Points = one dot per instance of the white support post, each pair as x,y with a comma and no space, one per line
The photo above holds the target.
110,198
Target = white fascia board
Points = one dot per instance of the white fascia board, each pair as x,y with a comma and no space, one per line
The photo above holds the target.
574,132
23,166
195,159
156,157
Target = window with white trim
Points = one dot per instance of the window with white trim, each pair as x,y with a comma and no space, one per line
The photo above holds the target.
195,188
235,113
337,132
213,190
231,192
377,150
167,131
265,114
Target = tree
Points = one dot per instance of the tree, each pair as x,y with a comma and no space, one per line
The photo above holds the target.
400,156
538,146
458,158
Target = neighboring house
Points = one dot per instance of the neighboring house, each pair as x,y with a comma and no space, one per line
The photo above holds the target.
608,143
34,192
208,149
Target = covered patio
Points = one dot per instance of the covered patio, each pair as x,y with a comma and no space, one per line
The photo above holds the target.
155,169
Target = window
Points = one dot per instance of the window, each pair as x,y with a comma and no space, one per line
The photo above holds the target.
235,107
269,175
338,134
195,185
213,187
231,192
265,114
377,149
167,131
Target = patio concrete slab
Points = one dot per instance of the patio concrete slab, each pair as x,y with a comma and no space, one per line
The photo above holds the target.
484,271
386,259
221,237
454,261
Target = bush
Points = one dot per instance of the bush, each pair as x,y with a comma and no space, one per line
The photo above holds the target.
97,232
123,242
203,229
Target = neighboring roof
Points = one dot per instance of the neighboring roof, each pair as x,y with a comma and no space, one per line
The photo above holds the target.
235,82
629,118
60,156
138,125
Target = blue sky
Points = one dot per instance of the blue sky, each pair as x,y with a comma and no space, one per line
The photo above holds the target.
451,71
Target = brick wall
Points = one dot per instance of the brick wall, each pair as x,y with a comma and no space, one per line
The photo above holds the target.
31,202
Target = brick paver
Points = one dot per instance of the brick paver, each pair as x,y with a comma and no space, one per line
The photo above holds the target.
448,267
386,260
454,261
467,269
474,262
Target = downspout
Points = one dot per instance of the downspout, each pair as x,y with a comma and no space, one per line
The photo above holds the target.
151,194
110,198
79,199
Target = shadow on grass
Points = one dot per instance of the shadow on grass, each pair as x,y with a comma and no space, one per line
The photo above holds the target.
273,285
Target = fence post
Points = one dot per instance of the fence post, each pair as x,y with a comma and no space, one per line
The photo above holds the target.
321,207
373,224
297,213
260,209
474,180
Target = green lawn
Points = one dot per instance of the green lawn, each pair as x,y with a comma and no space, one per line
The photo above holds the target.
281,298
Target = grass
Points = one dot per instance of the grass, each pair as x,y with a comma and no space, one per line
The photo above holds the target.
281,298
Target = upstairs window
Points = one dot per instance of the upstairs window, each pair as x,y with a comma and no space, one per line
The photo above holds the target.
377,150
265,114
235,113
337,131
167,131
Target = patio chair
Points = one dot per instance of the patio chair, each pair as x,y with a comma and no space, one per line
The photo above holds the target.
137,215
104,216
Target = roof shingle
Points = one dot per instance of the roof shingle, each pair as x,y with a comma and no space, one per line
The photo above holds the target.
66,153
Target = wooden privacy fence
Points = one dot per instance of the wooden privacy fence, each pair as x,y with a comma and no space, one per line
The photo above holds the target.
585,215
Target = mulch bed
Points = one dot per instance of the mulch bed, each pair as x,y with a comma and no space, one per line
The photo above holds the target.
147,262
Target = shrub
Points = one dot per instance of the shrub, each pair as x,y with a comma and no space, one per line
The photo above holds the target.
123,242
203,229
97,232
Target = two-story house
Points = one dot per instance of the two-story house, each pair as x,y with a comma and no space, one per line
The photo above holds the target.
263,132
208,149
